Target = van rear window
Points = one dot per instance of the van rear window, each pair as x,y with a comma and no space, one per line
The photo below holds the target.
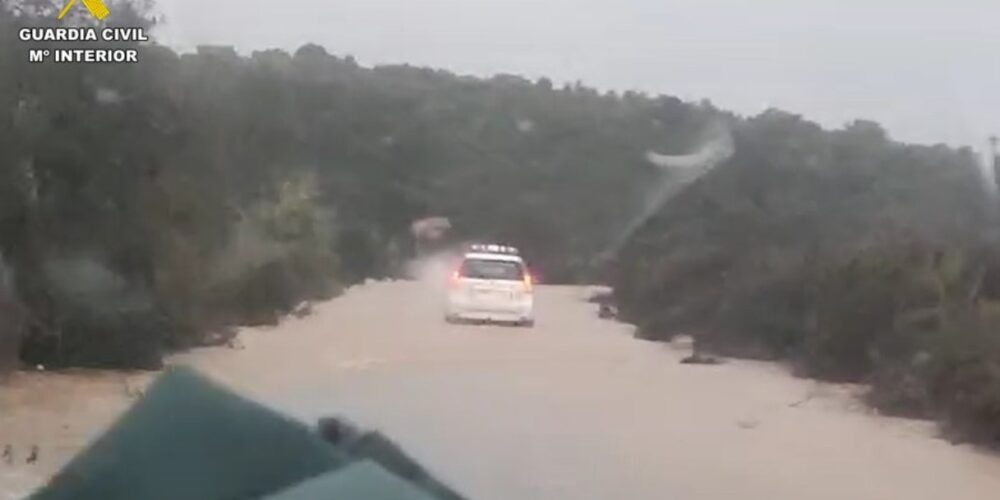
485,269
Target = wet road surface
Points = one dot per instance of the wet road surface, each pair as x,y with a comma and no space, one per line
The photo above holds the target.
574,408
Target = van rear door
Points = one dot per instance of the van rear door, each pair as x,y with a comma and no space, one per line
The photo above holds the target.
493,282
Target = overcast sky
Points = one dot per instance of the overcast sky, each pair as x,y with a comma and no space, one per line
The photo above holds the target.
927,70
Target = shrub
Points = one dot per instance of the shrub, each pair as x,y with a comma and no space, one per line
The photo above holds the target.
101,339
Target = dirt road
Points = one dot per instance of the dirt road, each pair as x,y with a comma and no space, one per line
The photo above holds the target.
572,409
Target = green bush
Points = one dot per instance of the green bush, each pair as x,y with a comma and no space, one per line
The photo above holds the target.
855,306
956,378
101,339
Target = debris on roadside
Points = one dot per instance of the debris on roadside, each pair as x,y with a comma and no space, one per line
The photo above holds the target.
688,344
236,343
604,298
302,310
701,359
607,311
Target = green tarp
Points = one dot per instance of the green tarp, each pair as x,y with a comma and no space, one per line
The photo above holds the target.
189,439
365,480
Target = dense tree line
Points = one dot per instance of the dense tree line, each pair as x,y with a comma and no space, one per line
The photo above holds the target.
856,257
150,206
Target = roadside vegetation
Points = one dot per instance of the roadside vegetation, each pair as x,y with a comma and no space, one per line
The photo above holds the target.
153,206
852,256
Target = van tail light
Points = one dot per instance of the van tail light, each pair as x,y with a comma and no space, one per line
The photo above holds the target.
456,278
529,282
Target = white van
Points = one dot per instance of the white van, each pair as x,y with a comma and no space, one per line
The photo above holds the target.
491,284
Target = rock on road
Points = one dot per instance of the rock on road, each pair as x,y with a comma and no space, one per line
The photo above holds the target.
574,408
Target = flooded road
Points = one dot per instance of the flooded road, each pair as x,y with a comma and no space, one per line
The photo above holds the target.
574,408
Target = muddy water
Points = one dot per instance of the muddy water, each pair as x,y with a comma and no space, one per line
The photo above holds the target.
574,408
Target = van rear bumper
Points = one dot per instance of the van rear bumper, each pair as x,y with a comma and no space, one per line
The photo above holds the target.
515,312
490,317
